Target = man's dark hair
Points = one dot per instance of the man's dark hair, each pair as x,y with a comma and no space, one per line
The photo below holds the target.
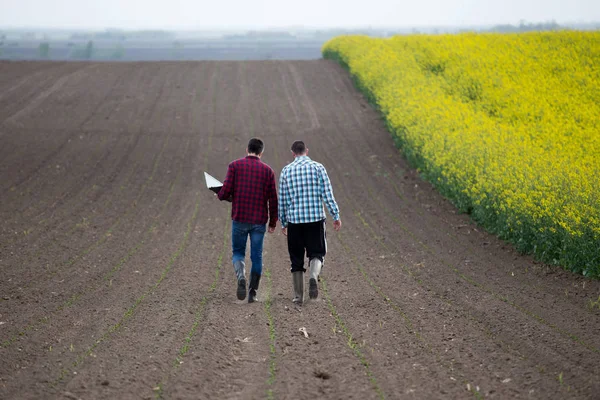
255,146
298,147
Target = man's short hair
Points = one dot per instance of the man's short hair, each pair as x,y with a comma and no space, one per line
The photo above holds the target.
298,147
255,146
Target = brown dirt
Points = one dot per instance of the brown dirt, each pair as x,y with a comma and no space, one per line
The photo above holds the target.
116,272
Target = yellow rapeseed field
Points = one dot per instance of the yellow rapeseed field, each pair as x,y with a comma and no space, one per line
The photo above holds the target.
507,126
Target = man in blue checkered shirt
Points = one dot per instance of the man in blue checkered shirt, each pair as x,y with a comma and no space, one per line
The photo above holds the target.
303,188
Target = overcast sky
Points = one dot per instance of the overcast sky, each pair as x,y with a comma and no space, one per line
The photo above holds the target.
198,14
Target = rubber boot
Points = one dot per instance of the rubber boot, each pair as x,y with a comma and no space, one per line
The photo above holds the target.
315,270
298,280
254,281
240,272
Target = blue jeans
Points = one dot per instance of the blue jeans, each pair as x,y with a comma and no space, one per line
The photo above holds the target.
239,238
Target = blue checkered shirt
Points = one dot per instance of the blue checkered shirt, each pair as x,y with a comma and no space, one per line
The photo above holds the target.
303,188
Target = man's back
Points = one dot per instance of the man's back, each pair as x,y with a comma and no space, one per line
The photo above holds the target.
304,186
251,183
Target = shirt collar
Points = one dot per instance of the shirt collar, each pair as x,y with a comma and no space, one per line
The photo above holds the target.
301,158
253,157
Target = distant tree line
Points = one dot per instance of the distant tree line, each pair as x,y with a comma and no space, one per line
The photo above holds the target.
120,35
526,27
261,35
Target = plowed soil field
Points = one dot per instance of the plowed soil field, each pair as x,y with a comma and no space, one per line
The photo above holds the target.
116,276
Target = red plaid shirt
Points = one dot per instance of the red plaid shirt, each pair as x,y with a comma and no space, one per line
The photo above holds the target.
251,182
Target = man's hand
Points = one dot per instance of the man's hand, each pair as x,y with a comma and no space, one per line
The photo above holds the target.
337,225
284,231
271,229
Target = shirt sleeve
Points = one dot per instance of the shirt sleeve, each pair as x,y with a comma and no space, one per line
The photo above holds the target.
327,193
283,199
273,209
227,190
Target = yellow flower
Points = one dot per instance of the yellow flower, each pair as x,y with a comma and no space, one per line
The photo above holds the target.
506,124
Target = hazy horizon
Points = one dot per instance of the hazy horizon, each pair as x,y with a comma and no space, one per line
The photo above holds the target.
270,14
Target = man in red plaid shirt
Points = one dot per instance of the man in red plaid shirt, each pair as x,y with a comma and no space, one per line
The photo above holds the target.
250,184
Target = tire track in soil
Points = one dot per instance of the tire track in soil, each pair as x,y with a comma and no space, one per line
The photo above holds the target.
304,99
72,199
46,159
367,203
23,72
68,137
129,252
305,370
288,95
108,233
93,178
103,114
41,97
30,87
